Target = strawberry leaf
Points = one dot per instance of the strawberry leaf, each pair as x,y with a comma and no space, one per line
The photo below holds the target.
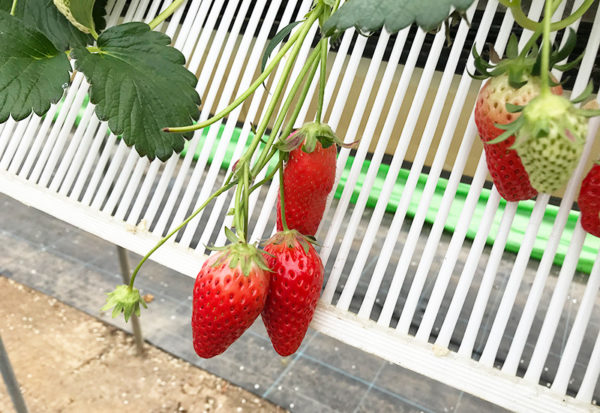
45,17
79,12
278,38
368,16
32,70
139,85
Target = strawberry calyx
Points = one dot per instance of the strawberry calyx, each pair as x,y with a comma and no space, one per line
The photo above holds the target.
239,254
308,136
292,238
521,66
539,112
126,300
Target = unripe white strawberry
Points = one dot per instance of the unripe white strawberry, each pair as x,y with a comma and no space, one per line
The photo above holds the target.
550,141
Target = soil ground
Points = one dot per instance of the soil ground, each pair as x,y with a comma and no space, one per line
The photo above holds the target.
68,361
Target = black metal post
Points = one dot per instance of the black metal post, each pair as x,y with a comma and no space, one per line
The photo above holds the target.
11,381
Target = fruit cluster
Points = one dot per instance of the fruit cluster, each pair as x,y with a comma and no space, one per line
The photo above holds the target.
283,282
532,135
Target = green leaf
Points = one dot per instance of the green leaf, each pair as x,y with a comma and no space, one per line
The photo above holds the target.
32,70
139,85
79,13
368,16
278,38
43,16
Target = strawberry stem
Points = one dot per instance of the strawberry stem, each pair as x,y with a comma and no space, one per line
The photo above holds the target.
282,195
238,211
246,198
13,9
224,188
269,176
311,63
322,79
298,35
520,17
567,21
544,78
279,89
165,14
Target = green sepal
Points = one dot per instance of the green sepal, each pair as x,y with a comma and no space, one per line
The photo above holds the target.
585,94
314,132
588,113
293,141
124,300
512,48
571,65
562,53
291,238
511,108
519,66
230,235
517,77
509,130
240,255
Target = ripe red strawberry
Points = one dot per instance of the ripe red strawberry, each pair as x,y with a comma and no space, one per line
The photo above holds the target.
229,294
589,201
294,289
504,164
308,178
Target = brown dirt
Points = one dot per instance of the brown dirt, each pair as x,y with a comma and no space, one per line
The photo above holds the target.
67,361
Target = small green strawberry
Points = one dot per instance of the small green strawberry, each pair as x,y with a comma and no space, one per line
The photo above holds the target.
550,141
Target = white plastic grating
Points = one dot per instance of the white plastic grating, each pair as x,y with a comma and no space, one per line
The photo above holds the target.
398,283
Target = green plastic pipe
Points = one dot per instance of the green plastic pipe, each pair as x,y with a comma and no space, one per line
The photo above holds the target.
517,231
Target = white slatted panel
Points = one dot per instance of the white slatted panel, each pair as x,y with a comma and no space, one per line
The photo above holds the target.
386,290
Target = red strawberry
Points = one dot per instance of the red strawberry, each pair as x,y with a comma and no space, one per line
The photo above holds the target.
293,291
504,164
589,201
229,294
308,178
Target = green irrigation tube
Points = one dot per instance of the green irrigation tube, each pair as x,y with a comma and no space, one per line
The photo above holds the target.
517,231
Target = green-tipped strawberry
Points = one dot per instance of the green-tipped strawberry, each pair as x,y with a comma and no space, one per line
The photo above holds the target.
513,81
505,166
